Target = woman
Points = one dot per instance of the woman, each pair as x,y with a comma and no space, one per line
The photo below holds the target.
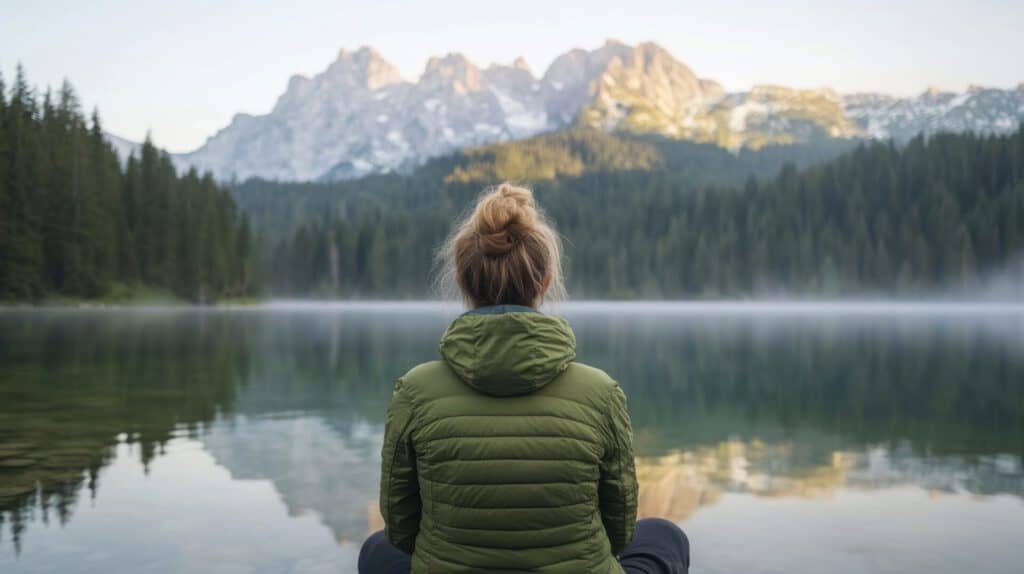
507,455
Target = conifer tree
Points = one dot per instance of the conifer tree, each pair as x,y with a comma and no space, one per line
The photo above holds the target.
937,213
73,221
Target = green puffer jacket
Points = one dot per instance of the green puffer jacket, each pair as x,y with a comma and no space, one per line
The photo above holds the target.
507,455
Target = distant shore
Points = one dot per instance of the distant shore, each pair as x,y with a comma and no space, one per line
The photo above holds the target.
782,308
120,296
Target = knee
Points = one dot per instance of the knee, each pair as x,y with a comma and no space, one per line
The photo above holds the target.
665,530
373,541
660,525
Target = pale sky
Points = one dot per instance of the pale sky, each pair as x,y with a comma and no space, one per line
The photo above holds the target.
183,68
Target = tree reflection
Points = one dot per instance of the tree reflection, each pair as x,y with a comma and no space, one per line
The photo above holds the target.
74,384
776,406
947,386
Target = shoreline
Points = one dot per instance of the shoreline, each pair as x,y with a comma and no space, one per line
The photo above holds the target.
717,307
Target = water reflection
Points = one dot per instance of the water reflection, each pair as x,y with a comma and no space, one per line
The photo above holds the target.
677,484
945,384
328,471
71,384
771,406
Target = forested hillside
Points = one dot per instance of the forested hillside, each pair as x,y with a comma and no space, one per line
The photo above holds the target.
642,216
937,213
75,222
278,208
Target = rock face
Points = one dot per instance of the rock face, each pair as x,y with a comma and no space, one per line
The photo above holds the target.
983,110
360,117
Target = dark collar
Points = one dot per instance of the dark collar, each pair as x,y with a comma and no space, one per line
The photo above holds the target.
499,309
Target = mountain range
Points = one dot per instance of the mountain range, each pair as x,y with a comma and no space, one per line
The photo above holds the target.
360,117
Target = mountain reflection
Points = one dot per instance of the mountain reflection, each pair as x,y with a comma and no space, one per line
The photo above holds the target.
677,484
771,406
332,472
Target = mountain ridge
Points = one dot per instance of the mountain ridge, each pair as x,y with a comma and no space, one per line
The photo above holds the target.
359,116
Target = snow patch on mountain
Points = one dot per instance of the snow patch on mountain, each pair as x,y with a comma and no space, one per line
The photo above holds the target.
981,110
359,116
738,115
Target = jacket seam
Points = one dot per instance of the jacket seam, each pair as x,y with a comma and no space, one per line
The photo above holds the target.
540,483
590,407
566,525
522,436
429,509
477,507
486,547
589,424
391,465
513,459
537,567
618,458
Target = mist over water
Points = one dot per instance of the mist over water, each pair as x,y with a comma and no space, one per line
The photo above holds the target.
1004,284
802,436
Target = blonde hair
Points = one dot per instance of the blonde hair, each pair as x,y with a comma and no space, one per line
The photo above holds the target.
503,252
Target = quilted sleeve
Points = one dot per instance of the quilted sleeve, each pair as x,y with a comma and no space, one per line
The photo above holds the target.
399,489
618,490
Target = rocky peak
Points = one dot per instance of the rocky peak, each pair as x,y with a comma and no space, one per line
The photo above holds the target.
518,65
359,117
364,68
454,72
354,74
519,72
297,82
612,48
642,89
659,65
617,63
652,56
935,95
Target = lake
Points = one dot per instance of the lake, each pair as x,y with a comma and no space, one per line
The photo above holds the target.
789,437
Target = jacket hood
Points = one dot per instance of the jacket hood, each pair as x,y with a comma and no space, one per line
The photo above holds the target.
508,350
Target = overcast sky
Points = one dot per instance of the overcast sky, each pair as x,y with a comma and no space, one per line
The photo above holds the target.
182,69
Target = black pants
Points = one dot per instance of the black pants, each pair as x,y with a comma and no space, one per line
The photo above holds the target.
658,547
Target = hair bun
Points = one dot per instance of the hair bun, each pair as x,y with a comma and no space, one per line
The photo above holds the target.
503,218
504,252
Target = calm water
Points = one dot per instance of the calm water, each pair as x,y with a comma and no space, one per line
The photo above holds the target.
783,439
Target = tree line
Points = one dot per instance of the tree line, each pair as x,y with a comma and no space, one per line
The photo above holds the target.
75,222
642,217
940,212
